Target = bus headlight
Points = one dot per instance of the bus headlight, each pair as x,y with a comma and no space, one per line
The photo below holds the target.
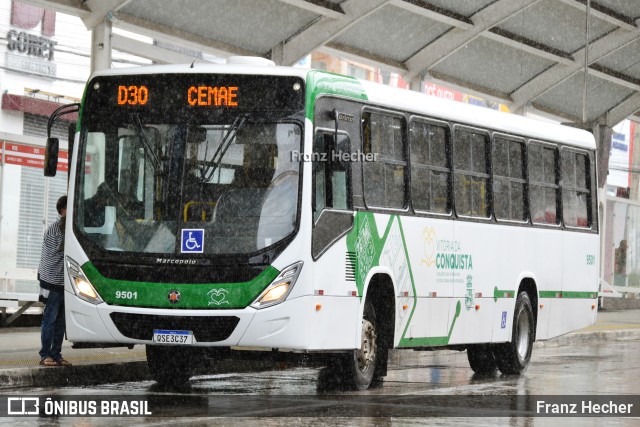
80,284
280,288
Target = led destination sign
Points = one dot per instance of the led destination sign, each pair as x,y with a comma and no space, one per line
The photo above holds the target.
217,96
196,95
192,97
133,95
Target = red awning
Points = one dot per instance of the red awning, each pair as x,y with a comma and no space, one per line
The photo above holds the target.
30,105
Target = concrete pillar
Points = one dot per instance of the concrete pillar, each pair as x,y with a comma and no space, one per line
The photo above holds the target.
277,54
416,83
603,134
101,46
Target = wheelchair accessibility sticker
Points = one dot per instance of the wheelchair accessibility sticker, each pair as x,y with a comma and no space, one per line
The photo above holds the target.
192,241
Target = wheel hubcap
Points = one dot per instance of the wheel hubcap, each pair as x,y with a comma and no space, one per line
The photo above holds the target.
366,354
523,336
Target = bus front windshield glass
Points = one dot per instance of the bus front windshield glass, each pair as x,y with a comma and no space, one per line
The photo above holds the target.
172,179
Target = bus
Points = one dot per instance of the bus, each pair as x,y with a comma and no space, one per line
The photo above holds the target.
249,207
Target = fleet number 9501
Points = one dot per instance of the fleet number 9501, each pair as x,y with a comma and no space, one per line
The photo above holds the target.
126,295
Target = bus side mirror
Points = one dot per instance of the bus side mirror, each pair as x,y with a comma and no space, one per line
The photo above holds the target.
51,157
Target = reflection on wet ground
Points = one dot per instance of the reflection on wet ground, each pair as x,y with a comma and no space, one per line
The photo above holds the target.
603,368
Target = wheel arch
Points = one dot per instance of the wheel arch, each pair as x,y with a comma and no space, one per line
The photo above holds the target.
381,292
529,286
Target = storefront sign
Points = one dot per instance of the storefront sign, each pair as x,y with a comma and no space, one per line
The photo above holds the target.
31,65
29,155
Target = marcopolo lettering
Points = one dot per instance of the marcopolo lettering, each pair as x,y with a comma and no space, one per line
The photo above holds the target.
176,261
30,44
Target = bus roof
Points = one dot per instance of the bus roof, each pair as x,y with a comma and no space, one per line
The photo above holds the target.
474,115
393,98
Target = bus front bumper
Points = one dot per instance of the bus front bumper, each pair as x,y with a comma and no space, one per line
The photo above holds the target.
305,323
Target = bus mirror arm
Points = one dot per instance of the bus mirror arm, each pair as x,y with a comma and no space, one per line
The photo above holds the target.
53,144
334,116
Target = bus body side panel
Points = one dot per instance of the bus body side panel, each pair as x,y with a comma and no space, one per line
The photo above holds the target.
428,319
331,278
579,282
498,257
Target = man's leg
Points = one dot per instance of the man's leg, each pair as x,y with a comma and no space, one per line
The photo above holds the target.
58,333
48,328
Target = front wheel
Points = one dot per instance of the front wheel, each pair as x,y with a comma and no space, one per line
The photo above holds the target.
355,370
170,366
513,357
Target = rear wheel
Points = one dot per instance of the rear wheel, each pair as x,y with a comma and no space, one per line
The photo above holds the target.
513,357
481,359
170,366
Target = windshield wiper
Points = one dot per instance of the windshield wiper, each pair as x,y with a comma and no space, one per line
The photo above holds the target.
145,141
238,122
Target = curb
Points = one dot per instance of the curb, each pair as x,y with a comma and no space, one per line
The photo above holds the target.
74,375
591,336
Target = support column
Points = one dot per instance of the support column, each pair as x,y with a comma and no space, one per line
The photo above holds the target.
277,54
101,46
602,134
416,83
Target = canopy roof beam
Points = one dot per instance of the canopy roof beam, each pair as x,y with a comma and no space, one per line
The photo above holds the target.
456,38
326,29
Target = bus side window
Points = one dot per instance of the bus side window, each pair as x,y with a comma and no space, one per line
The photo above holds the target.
575,189
509,183
384,179
331,175
543,183
430,169
471,173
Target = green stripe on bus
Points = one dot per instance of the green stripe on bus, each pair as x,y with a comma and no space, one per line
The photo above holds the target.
432,341
568,294
319,83
502,293
365,241
192,295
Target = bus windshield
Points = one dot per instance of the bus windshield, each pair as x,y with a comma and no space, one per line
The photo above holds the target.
168,178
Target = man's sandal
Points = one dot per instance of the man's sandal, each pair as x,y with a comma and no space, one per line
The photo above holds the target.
62,362
47,361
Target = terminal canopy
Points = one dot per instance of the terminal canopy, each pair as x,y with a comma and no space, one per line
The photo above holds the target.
528,54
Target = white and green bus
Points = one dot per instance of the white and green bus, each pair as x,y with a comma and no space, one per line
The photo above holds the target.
243,207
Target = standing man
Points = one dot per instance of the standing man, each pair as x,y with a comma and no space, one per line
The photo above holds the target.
51,276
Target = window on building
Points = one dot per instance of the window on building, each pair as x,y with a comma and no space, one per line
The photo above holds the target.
471,173
543,183
430,167
385,177
576,205
509,184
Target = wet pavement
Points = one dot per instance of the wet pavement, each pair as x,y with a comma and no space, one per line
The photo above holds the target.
601,360
587,369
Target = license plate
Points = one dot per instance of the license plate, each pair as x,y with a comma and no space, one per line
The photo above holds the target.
162,336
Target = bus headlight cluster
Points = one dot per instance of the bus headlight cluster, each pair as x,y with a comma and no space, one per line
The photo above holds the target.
280,288
80,284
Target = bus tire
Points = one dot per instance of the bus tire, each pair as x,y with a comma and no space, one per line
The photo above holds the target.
481,359
360,365
167,365
513,357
